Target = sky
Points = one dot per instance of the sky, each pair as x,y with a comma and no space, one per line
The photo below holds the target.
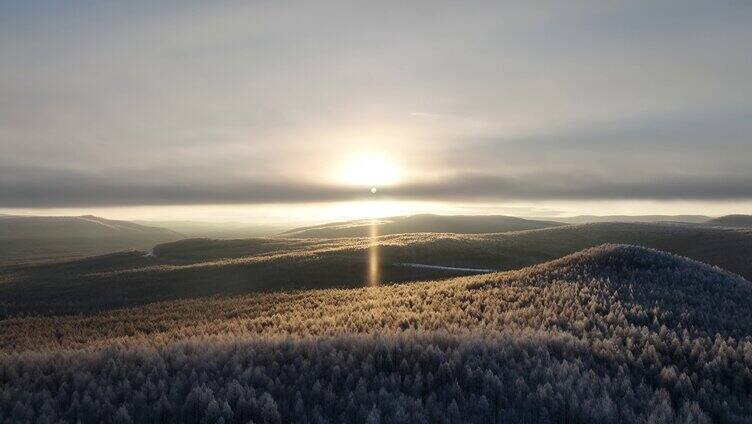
275,111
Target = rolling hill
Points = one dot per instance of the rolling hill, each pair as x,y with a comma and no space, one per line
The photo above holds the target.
739,221
588,219
425,223
204,267
615,333
218,230
37,238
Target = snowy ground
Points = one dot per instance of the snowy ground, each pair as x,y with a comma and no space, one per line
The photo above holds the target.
446,268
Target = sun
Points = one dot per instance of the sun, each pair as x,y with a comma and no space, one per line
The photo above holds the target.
370,170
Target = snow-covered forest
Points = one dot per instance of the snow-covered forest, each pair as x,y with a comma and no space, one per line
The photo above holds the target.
611,334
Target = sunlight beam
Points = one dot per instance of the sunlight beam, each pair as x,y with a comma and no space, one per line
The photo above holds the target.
373,255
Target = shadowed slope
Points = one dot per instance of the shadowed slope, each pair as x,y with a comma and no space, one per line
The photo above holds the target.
724,247
36,238
588,219
739,221
220,230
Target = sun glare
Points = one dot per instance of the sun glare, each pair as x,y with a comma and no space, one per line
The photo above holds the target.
370,170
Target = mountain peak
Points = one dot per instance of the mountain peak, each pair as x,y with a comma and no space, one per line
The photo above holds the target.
627,265
632,259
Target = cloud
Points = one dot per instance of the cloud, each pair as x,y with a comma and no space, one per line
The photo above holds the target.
583,186
208,103
41,188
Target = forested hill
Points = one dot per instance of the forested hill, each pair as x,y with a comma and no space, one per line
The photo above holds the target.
64,227
201,267
740,221
38,238
611,334
589,219
424,223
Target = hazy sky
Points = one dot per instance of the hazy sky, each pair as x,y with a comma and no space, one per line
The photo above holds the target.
469,105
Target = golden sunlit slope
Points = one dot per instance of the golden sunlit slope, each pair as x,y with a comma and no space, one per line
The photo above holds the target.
612,334
632,275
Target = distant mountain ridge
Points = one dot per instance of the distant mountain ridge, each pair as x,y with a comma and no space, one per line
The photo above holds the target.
217,230
739,221
586,219
84,226
32,238
422,223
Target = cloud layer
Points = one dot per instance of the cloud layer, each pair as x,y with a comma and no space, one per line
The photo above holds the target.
150,104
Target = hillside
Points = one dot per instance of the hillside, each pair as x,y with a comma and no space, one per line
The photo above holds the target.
203,267
611,334
739,221
426,223
218,230
588,219
35,238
